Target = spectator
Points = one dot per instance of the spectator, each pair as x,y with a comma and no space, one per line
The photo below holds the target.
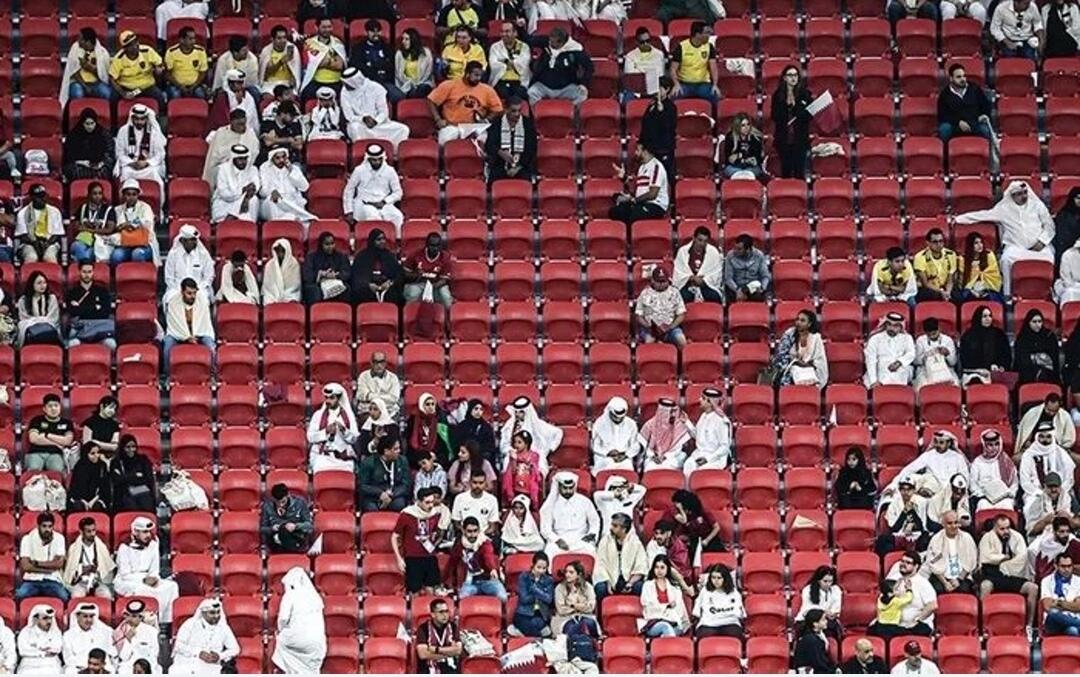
384,480
279,62
1061,19
236,94
562,71
90,486
705,10
378,383
237,57
984,348
650,198
285,522
523,474
1067,286
102,428
951,558
469,461
281,275
1035,355
904,9
1041,458
376,273
856,488
746,271
7,225
222,141
892,600
645,60
474,563
699,269
521,415
188,258
39,313
134,484
475,427
621,563
367,116
377,424
85,635
238,283
619,496
520,533
49,435
187,320
800,355
614,438
962,109
94,223
457,14
1050,501
822,593
205,642
281,185
1058,593
536,599
236,190
431,267
893,279
952,497
40,643
186,66
917,618
88,149
89,567
463,108
693,67
905,521
659,311
1067,220
1027,230
325,120
1003,558
332,432
300,643
663,608
136,640
314,10
138,570
978,275
326,60
283,131
374,190
935,467
994,479
889,353
479,504
575,603
791,138
438,641
326,272
373,56
658,126
935,269
460,52
712,435
509,60
416,535
135,69
568,520
935,356
665,436
951,9
39,228
413,68
1017,29
718,608
1051,410
665,542
135,239
864,662
86,71
41,561
744,150
914,663
812,648
1044,548
430,474
511,144
693,524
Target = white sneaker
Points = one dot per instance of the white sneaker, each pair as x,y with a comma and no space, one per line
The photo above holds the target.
16,174
512,631
1030,634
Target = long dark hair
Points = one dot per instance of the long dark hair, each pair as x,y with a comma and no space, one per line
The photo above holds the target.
815,325
670,569
728,583
28,290
969,255
1025,329
416,44
812,616
781,87
690,502
476,459
815,582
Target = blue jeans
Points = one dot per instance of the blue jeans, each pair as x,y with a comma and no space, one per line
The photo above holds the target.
6,254
1058,623
897,11
605,588
174,92
82,253
489,588
125,254
98,90
169,343
1023,51
697,90
673,336
42,589
661,629
946,131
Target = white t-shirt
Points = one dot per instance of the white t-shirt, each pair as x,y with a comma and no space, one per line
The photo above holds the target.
649,174
55,548
926,667
714,608
922,594
485,509
1072,590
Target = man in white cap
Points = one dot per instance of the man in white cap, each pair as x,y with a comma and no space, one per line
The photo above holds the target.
326,119
140,147
39,228
521,415
85,632
236,190
363,103
1025,224
935,467
281,189
188,257
712,435
239,131
614,439
235,94
373,190
135,639
40,643
619,495
332,432
179,9
889,353
138,569
135,238
326,58
1042,457
204,643
569,521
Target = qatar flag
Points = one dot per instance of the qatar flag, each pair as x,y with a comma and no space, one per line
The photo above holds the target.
826,114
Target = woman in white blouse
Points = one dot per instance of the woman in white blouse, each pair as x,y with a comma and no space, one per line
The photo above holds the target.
662,604
822,592
718,609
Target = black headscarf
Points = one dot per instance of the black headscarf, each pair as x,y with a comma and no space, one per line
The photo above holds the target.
478,430
1066,227
861,473
95,146
372,258
1059,42
982,346
1032,350
90,480
1072,360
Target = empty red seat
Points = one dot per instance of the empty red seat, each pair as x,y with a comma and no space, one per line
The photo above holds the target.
1009,654
620,614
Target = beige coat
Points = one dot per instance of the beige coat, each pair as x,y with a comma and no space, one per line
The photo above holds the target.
990,553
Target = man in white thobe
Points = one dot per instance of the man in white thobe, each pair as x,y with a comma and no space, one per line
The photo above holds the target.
179,9
1042,457
1025,224
236,191
86,631
138,569
135,638
140,147
994,478
712,435
615,442
363,103
204,642
8,653
569,521
188,257
379,382
373,190
40,643
281,189
522,416
617,496
236,94
1050,410
326,120
332,432
889,353
935,467
239,132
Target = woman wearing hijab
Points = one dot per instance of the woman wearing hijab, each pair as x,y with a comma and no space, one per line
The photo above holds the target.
88,149
1067,224
994,479
520,532
1061,21
39,312
478,429
40,643
800,355
664,436
376,272
238,283
300,646
281,276
978,272
90,487
1071,371
855,485
984,348
425,432
377,425
1067,286
468,462
1036,352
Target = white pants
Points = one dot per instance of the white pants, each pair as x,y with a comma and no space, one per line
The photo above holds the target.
576,546
974,10
464,131
900,377
672,460
231,209
710,461
394,132
150,173
602,463
388,212
1065,292
294,209
1011,254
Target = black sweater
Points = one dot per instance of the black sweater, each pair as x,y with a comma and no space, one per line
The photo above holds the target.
658,129
952,108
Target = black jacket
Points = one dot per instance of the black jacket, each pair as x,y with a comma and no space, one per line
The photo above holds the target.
568,68
852,666
374,59
527,161
812,653
798,132
658,129
952,108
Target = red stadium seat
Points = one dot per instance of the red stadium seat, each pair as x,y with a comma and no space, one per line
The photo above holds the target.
624,655
858,572
853,530
957,614
768,654
385,655
1009,655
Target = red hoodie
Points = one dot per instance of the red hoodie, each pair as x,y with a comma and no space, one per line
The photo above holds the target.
480,563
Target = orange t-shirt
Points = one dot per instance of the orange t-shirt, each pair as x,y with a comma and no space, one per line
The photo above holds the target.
462,104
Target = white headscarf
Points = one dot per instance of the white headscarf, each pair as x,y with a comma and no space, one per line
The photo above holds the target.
1021,225
301,590
281,281
524,534
345,407
384,418
228,292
